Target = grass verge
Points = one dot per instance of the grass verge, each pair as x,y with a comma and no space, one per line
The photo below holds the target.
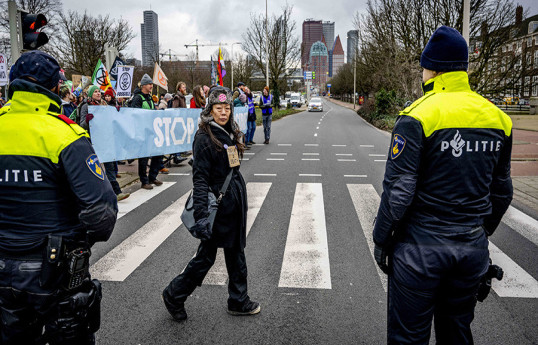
277,114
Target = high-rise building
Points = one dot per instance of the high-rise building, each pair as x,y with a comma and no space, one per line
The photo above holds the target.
337,56
149,34
352,44
328,33
319,62
312,32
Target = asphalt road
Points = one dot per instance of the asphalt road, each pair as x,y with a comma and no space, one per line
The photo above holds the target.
313,193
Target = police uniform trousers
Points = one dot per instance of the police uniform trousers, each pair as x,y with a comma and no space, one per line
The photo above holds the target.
183,285
26,307
435,275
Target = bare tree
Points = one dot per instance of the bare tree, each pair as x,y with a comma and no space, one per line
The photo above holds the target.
83,39
284,46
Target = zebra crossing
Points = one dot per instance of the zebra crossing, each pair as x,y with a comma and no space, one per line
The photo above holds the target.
306,260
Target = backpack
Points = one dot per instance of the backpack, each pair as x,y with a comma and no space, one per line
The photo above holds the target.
75,115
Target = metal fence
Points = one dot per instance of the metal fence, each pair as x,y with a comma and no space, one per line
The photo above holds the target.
518,107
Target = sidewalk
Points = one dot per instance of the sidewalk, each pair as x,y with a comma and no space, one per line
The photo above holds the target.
524,157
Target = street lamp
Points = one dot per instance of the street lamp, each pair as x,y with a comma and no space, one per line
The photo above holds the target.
232,61
355,79
266,46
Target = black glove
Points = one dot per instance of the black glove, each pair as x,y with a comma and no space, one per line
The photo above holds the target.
201,229
380,256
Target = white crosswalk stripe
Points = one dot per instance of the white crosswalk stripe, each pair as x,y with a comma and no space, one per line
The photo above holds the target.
522,223
139,197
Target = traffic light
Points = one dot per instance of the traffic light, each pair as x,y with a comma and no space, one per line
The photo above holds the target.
313,75
31,37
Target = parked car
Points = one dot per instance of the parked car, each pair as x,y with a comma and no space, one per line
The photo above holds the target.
295,100
315,104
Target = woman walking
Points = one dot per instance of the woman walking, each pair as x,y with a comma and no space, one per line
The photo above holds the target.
217,139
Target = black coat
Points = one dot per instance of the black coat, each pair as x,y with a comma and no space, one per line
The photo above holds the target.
209,170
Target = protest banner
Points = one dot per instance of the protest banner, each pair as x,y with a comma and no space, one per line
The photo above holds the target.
3,70
135,133
125,81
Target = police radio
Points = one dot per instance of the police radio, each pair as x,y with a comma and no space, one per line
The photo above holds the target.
78,264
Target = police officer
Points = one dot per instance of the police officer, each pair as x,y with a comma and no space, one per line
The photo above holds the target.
55,203
447,184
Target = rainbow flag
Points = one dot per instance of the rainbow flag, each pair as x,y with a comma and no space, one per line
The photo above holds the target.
220,69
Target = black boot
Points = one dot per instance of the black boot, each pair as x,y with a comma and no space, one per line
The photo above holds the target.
177,311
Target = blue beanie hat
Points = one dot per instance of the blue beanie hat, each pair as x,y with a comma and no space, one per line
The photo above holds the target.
446,51
37,67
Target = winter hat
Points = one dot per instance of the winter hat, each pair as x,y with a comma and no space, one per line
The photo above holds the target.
38,67
110,92
168,96
446,51
91,90
240,84
218,95
146,79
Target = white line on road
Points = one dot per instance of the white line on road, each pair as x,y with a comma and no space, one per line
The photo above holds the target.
121,261
256,192
245,159
310,159
355,176
380,160
516,281
178,174
249,153
311,144
315,134
264,174
310,175
306,256
279,154
376,155
366,200
522,223
258,144
275,159
139,197
366,145
339,145
344,154
284,144
310,154
347,160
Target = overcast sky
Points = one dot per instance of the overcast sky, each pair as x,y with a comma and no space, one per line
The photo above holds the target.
183,21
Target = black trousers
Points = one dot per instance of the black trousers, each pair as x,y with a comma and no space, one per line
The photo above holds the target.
184,284
436,280
25,307
111,171
154,168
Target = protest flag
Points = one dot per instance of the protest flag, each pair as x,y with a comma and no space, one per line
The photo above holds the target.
220,67
159,78
100,76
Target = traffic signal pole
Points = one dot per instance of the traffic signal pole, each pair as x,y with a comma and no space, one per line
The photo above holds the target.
14,24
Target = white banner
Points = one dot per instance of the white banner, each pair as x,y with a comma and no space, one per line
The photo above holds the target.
3,70
125,81
159,78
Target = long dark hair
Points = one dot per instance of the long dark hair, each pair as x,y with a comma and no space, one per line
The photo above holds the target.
199,98
237,134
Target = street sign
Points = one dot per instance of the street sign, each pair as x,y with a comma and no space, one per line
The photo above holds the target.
308,75
328,85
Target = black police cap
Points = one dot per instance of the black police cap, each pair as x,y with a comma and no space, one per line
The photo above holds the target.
37,67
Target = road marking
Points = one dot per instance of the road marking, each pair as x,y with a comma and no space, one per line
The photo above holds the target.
355,176
317,127
121,261
376,155
279,154
275,159
264,174
284,144
366,201
245,159
310,175
339,145
306,256
310,154
516,281
256,192
258,144
522,223
380,160
310,159
344,154
139,197
178,174
311,144
249,153
347,160
366,145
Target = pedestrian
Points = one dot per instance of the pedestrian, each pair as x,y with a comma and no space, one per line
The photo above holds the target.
142,99
55,204
94,98
251,117
179,98
163,104
68,107
2,101
266,105
110,98
447,185
217,138
239,90
198,99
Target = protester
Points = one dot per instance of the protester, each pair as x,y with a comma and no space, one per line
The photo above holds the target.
110,97
239,90
67,106
251,118
142,99
266,105
206,91
2,101
217,137
198,99
163,104
179,98
441,199
94,98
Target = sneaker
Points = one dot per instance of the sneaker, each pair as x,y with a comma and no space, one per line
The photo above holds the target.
156,182
178,312
164,171
248,308
147,186
122,196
